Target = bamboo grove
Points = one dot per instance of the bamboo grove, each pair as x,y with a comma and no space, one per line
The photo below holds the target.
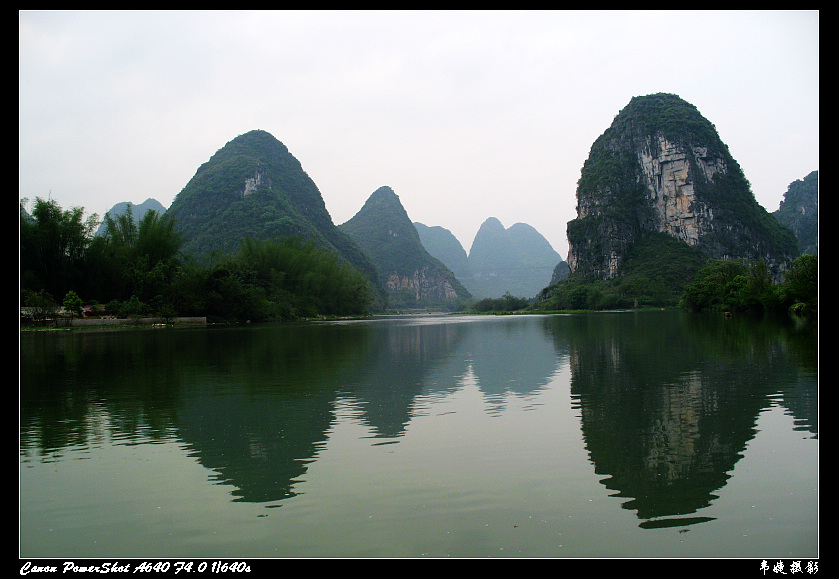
136,267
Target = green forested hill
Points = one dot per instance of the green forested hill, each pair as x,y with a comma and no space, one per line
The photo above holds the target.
800,212
253,187
386,234
660,200
661,166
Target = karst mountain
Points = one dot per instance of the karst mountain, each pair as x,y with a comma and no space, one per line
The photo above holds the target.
659,171
661,167
517,260
800,212
442,244
413,277
254,187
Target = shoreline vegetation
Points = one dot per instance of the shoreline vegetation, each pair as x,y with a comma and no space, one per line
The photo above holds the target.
113,323
137,272
152,322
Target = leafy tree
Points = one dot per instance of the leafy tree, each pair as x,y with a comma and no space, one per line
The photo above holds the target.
133,308
137,268
655,272
40,305
277,279
760,292
53,243
506,303
121,231
73,304
157,239
716,285
300,275
139,259
801,287
734,285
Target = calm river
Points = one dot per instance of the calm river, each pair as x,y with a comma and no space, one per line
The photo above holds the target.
609,435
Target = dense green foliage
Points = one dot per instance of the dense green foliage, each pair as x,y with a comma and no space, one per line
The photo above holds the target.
135,259
138,269
53,246
656,270
506,303
727,285
734,286
271,280
386,234
662,272
801,286
658,259
214,213
299,279
672,117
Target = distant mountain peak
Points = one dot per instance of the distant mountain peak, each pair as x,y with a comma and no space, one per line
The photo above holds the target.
384,192
518,260
137,211
492,223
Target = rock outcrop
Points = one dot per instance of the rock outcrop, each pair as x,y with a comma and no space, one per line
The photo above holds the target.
561,272
661,167
425,285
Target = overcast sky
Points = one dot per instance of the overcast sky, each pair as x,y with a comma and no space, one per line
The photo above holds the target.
466,115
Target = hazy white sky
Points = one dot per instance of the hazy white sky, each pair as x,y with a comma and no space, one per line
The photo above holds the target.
466,115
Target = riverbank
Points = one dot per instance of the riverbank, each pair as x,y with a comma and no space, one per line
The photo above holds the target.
109,322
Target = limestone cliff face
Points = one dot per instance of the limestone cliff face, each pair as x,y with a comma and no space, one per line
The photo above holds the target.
661,167
424,284
259,179
670,172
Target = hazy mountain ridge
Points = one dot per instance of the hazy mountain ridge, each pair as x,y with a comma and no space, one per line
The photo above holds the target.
442,244
136,210
254,188
516,260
